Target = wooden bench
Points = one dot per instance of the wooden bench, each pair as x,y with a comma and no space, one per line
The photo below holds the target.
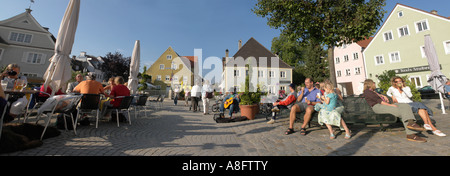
356,111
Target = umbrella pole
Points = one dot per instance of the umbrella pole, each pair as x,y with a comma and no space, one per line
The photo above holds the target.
442,103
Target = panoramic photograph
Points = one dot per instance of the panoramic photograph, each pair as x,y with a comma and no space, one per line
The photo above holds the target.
245,80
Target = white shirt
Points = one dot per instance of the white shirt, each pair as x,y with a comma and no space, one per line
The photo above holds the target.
195,89
206,88
403,97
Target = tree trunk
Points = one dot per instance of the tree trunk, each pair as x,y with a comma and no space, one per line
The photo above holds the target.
331,65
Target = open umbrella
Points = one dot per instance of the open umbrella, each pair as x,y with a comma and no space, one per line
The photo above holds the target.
59,71
437,79
134,68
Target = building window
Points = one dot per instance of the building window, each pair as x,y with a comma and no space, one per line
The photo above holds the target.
161,66
346,58
394,57
379,60
175,78
422,51
236,73
446,47
403,31
358,71
35,58
388,36
169,57
355,56
283,74
174,66
167,78
347,72
422,26
416,80
271,74
158,78
20,37
30,74
338,60
338,73
400,14
261,74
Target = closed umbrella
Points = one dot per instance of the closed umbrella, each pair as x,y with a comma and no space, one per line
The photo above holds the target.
437,79
59,71
134,68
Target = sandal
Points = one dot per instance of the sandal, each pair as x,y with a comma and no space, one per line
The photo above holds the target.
303,131
289,131
332,136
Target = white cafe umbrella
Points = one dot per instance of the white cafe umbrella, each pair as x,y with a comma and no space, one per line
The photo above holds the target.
134,68
437,79
59,71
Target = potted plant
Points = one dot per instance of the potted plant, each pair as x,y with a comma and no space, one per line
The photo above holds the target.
249,100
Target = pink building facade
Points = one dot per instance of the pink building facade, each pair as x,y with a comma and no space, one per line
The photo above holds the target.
349,66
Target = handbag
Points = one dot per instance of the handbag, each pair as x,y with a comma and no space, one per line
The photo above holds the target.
209,95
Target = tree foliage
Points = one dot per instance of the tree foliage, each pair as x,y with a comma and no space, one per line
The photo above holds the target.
329,22
308,61
116,65
325,22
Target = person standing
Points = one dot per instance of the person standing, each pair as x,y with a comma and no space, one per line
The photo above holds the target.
195,96
207,94
176,92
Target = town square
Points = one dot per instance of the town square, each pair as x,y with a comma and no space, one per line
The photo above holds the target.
268,78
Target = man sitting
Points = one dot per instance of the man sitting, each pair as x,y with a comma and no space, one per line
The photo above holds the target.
307,98
286,103
118,90
90,86
231,101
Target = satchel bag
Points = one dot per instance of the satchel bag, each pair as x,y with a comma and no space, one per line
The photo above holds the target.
209,95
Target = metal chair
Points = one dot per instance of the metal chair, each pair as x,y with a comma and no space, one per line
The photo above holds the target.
65,106
124,105
155,101
89,103
141,102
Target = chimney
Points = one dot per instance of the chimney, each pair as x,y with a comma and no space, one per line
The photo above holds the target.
240,44
434,12
226,53
28,10
83,54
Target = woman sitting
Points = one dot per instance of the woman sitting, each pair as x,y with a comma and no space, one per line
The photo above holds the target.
380,105
401,93
118,90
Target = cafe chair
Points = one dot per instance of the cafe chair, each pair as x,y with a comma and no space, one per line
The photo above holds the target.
65,106
141,102
89,103
124,105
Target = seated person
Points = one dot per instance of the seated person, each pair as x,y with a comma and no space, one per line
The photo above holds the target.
234,106
380,105
307,98
286,103
118,90
90,86
49,91
3,101
447,88
18,102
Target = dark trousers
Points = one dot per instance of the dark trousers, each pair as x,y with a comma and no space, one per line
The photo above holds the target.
194,102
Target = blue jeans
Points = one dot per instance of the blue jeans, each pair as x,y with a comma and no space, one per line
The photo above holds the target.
233,108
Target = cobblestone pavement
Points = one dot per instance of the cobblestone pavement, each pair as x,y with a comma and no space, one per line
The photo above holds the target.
174,130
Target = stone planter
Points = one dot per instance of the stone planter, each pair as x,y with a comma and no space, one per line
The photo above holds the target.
249,111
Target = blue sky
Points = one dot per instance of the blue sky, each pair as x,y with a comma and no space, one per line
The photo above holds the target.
213,25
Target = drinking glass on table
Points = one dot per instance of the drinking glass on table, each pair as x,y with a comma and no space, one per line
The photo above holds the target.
20,84
4,84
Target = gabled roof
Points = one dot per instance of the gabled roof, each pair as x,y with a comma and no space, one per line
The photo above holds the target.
253,48
411,8
365,43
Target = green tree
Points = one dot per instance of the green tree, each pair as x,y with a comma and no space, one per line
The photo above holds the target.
116,64
326,22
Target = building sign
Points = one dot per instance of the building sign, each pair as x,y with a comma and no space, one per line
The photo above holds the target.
413,69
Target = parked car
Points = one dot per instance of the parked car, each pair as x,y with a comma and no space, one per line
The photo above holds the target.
428,92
